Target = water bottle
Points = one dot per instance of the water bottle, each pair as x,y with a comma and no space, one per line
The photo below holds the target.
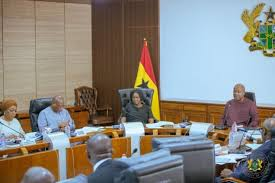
68,131
2,141
233,131
123,156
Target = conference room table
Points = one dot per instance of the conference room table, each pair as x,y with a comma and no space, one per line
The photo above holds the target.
16,160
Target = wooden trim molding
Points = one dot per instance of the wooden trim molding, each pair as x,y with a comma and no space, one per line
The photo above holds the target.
176,111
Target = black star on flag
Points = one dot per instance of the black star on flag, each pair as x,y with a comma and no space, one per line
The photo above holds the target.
144,84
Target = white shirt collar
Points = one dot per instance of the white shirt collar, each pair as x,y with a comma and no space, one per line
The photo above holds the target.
99,163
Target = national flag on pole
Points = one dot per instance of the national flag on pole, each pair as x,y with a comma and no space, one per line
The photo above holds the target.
146,78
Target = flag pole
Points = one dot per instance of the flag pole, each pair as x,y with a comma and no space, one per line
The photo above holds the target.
145,41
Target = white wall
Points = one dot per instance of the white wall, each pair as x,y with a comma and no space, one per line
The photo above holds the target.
202,52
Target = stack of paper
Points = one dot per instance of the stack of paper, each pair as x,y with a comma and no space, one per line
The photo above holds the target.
200,128
229,158
160,124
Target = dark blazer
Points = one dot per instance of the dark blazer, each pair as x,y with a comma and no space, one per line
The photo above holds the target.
107,171
243,173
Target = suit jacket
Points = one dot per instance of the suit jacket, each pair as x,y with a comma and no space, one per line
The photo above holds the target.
243,172
107,171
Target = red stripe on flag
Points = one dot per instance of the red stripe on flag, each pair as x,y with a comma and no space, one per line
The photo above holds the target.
145,60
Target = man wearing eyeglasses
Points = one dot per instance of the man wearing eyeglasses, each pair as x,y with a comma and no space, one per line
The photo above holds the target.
241,110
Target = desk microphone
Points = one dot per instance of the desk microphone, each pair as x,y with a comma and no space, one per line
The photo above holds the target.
21,134
134,151
250,138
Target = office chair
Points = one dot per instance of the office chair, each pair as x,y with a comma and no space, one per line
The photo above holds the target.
158,166
198,155
36,106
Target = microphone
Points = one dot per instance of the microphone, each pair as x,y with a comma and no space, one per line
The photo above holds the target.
21,134
250,137
134,151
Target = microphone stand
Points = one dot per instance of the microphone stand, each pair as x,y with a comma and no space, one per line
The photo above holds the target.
22,135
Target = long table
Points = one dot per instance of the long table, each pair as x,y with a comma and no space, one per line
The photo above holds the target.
21,158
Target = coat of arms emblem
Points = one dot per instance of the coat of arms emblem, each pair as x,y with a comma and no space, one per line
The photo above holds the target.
261,34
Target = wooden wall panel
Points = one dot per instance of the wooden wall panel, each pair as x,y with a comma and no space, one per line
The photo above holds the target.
107,51
119,27
202,112
78,44
19,50
1,56
50,48
13,169
141,21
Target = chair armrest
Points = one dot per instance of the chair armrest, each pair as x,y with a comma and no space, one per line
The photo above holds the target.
105,108
232,180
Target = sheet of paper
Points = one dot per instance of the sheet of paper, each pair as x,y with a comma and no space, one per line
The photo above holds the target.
228,158
59,141
159,124
134,130
88,129
253,146
200,128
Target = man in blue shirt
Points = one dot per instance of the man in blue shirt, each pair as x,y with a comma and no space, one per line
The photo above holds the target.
55,117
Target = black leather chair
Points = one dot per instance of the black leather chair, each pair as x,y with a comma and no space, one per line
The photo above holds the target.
198,155
36,106
158,166
125,96
251,96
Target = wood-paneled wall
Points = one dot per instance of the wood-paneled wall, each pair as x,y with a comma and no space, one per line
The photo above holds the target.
202,112
47,48
118,30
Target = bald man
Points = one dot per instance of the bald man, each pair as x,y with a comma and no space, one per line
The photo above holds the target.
245,170
38,175
55,117
241,110
99,149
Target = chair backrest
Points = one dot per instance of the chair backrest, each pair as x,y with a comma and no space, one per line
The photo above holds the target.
125,95
156,142
251,96
146,157
87,97
157,166
199,159
36,106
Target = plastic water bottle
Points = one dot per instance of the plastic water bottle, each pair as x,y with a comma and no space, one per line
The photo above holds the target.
68,131
2,141
123,156
233,131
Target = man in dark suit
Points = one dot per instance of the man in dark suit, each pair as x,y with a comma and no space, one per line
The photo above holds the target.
100,155
254,166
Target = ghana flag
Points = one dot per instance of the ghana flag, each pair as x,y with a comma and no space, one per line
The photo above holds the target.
146,78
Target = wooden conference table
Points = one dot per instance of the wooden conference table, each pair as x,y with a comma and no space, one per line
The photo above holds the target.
19,159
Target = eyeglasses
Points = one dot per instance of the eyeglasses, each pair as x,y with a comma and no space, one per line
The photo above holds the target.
12,110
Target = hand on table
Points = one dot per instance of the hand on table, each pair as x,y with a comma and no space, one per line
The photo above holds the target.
226,173
62,125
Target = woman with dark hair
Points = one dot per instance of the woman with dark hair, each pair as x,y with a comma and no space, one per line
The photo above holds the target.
136,110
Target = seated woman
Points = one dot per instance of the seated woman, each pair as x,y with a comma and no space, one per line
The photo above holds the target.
9,108
137,110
